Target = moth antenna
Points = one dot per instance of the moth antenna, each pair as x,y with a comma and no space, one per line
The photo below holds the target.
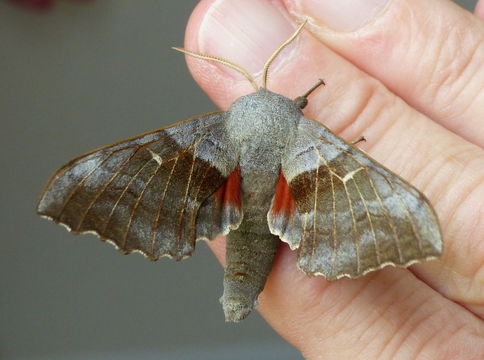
221,61
302,101
278,51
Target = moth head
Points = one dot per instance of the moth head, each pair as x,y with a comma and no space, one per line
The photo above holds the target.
265,103
242,70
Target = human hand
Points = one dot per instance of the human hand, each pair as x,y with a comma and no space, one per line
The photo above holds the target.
419,101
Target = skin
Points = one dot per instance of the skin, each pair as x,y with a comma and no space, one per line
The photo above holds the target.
419,104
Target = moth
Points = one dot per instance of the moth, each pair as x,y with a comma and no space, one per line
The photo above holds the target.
259,173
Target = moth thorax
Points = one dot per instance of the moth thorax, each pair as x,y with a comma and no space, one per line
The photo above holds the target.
263,116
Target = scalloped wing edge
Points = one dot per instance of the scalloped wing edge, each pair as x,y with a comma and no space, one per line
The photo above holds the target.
372,269
134,251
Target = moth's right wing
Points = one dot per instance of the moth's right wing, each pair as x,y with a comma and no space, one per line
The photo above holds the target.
156,193
346,213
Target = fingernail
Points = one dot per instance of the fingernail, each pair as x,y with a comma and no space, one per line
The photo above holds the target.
243,32
341,15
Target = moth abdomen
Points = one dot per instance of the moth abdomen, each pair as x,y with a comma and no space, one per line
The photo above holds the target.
249,259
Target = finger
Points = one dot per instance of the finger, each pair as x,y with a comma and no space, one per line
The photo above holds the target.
378,316
217,38
386,314
430,53
479,10
354,104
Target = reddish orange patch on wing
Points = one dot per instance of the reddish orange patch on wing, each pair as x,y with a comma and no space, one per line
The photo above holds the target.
283,201
229,193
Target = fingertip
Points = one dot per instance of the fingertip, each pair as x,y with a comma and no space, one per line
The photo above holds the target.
245,33
207,75
479,9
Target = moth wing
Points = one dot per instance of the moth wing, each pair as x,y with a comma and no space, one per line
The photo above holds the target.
350,215
222,211
143,194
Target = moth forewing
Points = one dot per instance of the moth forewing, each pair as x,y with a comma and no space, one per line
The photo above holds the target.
143,194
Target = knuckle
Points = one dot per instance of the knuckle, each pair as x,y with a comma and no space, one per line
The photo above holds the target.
370,103
455,60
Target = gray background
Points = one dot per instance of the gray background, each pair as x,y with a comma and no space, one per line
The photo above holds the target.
72,79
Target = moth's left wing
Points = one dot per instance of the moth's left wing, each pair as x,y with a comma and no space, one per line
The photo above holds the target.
347,214
156,193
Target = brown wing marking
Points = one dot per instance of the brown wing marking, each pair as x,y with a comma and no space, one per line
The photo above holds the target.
93,201
143,194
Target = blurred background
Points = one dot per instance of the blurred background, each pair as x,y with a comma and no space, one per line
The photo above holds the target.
75,77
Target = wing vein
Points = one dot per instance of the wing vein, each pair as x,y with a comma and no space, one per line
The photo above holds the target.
194,218
335,236
409,216
390,220
122,193
368,215
187,190
355,239
158,214
135,207
387,216
79,183
315,209
133,178
355,233
110,180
